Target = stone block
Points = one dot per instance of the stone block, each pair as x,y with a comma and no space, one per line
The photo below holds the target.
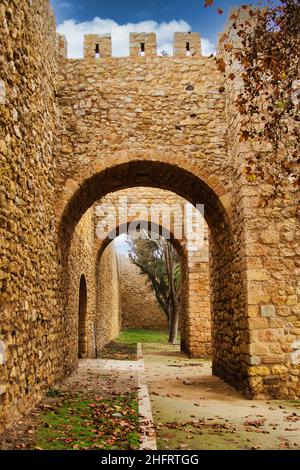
292,300
268,311
2,353
2,92
258,323
273,359
271,380
257,296
259,370
258,349
253,360
270,237
277,370
258,275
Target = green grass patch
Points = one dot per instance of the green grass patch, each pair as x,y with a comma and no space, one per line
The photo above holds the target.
134,335
85,423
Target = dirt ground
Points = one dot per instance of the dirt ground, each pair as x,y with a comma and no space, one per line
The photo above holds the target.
194,410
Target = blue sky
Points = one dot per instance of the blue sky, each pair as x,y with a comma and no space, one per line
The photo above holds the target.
74,18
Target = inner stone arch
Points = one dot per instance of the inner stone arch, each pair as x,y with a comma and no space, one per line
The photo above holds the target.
172,211
142,173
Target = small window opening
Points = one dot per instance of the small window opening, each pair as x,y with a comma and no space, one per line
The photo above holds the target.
188,48
97,51
142,51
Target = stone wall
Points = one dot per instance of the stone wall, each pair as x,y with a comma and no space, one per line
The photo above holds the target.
159,122
270,260
30,315
108,318
81,263
102,317
139,307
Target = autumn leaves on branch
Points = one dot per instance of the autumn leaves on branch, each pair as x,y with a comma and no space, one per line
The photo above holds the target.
264,59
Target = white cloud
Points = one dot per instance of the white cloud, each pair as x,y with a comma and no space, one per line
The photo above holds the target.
208,47
74,32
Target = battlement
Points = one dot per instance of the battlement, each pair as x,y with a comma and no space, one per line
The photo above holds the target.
97,45
140,45
187,44
143,44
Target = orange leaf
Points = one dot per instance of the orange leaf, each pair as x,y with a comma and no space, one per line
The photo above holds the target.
228,47
221,65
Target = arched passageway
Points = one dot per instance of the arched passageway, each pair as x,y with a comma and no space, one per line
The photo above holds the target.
177,220
228,290
82,333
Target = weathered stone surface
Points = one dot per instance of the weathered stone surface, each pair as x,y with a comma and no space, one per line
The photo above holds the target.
2,92
253,360
268,311
108,308
29,259
270,236
279,370
2,353
139,307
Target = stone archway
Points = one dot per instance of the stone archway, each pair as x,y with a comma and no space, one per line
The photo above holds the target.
164,209
82,306
229,300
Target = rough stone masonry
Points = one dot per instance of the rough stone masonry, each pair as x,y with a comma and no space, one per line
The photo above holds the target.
72,131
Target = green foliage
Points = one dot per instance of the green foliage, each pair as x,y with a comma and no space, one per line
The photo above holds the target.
160,262
151,257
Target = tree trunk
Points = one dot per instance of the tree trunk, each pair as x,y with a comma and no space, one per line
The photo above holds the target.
162,281
172,304
173,329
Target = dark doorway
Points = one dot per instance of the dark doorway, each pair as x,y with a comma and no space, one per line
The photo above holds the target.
82,336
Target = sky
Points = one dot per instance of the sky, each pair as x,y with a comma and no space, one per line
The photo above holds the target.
119,17
121,244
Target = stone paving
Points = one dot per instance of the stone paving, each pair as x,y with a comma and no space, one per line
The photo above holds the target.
183,390
192,409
